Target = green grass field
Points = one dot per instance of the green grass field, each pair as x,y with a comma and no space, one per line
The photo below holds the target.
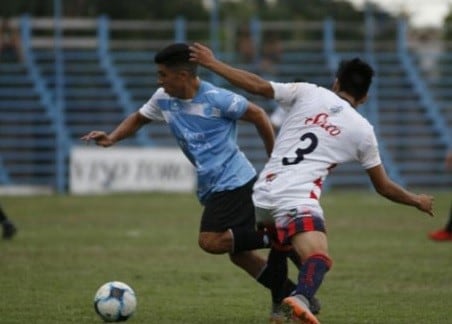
385,270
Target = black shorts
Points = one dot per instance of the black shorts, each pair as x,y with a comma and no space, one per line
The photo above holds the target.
228,209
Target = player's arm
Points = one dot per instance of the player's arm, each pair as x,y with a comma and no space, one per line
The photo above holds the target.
126,128
256,115
240,78
449,160
392,191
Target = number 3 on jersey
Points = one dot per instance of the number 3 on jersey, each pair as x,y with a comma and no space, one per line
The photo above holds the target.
302,152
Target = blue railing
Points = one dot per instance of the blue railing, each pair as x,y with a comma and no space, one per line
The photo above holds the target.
370,108
55,105
4,176
426,97
112,73
55,108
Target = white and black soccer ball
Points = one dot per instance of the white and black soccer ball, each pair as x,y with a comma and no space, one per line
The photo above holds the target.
115,301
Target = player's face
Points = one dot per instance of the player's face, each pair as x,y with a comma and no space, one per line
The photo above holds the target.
172,81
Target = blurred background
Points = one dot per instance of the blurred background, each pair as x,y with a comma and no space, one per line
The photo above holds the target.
68,67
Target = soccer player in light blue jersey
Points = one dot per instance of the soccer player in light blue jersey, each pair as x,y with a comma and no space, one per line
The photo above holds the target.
203,119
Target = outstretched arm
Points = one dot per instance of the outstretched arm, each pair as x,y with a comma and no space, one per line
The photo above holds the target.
449,160
125,129
240,78
392,191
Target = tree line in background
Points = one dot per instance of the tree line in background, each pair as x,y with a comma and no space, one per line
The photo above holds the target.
285,10
191,9
195,9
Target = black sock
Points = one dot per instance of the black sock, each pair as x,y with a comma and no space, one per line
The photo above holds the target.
3,217
274,276
293,256
449,222
246,239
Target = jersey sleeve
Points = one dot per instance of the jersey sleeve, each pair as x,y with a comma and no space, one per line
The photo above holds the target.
151,108
368,152
286,94
231,105
278,116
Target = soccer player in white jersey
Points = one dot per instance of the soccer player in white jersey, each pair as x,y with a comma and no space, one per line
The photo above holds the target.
321,130
203,118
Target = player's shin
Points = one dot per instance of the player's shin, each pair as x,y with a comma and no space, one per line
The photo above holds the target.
274,276
311,274
247,239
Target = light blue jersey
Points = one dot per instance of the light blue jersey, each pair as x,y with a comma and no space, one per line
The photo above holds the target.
206,130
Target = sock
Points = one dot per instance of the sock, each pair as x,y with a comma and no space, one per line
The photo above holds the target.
293,256
3,217
246,239
449,222
289,288
311,275
274,276
278,269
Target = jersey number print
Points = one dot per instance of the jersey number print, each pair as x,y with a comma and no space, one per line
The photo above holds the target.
302,152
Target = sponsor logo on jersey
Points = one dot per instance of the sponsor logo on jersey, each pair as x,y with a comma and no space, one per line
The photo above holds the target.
322,121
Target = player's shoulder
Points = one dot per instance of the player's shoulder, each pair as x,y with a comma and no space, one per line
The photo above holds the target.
218,95
352,116
211,90
361,125
296,86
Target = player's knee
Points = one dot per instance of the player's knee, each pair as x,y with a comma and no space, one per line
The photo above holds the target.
213,243
324,258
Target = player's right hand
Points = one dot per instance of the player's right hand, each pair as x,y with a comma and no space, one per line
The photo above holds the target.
99,137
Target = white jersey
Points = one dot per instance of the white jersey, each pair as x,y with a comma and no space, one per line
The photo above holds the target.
320,131
278,116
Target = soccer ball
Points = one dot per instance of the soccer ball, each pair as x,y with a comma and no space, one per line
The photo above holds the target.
115,301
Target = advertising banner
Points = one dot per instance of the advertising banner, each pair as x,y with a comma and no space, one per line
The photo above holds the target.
121,169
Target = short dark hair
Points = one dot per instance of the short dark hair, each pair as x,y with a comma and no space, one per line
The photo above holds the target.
176,56
354,77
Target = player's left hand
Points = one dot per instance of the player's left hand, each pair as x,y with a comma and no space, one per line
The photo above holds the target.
425,203
201,54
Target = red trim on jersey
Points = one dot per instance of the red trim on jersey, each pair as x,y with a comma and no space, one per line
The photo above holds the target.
318,183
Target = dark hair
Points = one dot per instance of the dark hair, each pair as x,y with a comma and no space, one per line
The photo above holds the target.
176,56
354,77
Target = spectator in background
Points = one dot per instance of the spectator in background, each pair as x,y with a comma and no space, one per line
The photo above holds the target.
9,230
445,234
10,48
271,54
245,46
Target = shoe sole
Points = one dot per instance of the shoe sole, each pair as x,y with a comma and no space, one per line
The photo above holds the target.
298,314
